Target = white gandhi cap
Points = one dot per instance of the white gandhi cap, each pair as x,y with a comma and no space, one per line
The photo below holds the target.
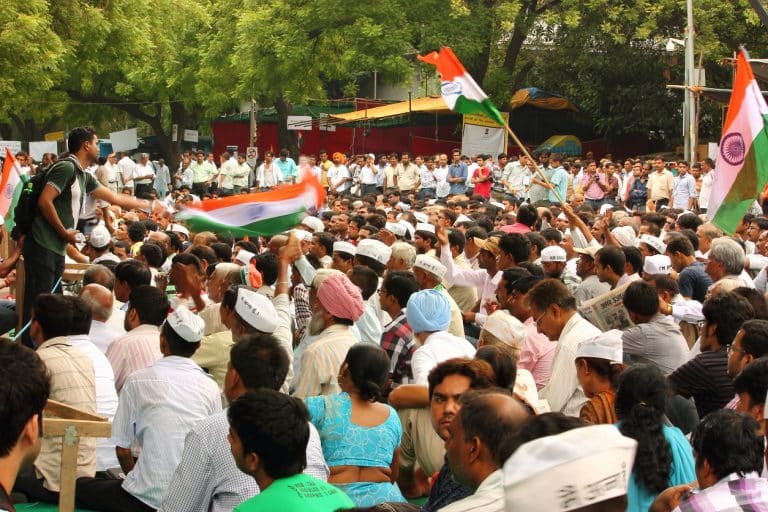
256,310
186,324
569,471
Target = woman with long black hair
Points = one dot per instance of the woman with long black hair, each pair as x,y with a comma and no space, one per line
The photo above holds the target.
664,456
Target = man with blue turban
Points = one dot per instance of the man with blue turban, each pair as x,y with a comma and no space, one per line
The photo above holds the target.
429,314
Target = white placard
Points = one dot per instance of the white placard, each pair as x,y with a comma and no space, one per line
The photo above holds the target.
37,149
13,145
125,140
324,124
482,140
713,148
252,156
190,136
303,123
174,133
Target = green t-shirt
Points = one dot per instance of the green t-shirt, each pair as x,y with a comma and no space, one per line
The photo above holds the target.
298,493
67,204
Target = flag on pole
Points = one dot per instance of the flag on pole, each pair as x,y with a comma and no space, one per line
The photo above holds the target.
261,214
742,163
10,187
460,91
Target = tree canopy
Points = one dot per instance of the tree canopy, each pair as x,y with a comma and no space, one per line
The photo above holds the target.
184,62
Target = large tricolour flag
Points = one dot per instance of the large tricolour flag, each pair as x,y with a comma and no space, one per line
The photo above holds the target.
261,214
9,183
460,91
742,164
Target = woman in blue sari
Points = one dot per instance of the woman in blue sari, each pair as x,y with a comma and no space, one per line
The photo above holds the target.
664,456
360,436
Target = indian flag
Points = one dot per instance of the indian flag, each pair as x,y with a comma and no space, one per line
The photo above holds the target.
10,188
261,214
742,165
460,91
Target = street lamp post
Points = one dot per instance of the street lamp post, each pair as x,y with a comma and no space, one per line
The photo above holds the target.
690,80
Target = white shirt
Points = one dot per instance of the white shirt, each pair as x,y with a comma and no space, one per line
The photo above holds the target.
488,497
227,169
101,335
338,173
480,279
126,169
159,405
144,170
563,391
269,176
369,325
367,176
706,190
207,475
438,347
106,396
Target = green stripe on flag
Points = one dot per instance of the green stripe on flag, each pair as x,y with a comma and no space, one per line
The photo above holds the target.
267,227
467,106
748,184
10,220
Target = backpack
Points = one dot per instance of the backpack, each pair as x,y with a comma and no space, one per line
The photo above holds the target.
26,209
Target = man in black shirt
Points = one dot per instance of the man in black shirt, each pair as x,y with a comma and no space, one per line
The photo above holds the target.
705,377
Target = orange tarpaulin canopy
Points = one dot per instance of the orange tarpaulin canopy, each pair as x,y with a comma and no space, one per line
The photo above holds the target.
427,104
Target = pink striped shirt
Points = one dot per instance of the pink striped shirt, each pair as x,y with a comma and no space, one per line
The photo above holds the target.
137,349
537,354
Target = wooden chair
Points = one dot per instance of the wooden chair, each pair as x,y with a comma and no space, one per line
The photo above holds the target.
71,424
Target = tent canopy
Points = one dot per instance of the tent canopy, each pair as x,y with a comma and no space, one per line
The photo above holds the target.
563,144
535,97
427,104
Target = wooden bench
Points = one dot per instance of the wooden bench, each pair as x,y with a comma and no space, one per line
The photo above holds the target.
71,424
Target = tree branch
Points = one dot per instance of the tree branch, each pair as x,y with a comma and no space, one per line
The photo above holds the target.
133,110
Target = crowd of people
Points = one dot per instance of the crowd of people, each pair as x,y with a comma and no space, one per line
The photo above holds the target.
437,336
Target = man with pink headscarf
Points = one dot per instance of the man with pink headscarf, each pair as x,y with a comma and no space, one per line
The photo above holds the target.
339,304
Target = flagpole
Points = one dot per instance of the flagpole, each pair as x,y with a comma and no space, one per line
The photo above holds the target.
527,154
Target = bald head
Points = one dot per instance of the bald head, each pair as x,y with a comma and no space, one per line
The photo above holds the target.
495,417
99,274
276,242
223,276
99,299
161,238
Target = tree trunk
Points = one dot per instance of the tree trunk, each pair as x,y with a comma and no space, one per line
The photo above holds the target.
286,138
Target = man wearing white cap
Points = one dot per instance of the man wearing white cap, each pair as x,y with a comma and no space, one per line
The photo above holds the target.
429,274
480,441
554,312
650,245
424,239
656,265
573,471
313,224
158,423
343,256
553,260
97,249
655,338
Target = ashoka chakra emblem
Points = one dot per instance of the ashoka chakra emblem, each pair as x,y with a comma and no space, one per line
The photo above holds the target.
732,149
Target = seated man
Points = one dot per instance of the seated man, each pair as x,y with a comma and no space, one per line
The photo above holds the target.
480,439
72,382
207,474
655,338
338,306
140,346
269,432
25,387
729,459
158,406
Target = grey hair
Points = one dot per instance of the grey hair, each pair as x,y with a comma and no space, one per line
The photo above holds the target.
729,253
98,310
404,251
